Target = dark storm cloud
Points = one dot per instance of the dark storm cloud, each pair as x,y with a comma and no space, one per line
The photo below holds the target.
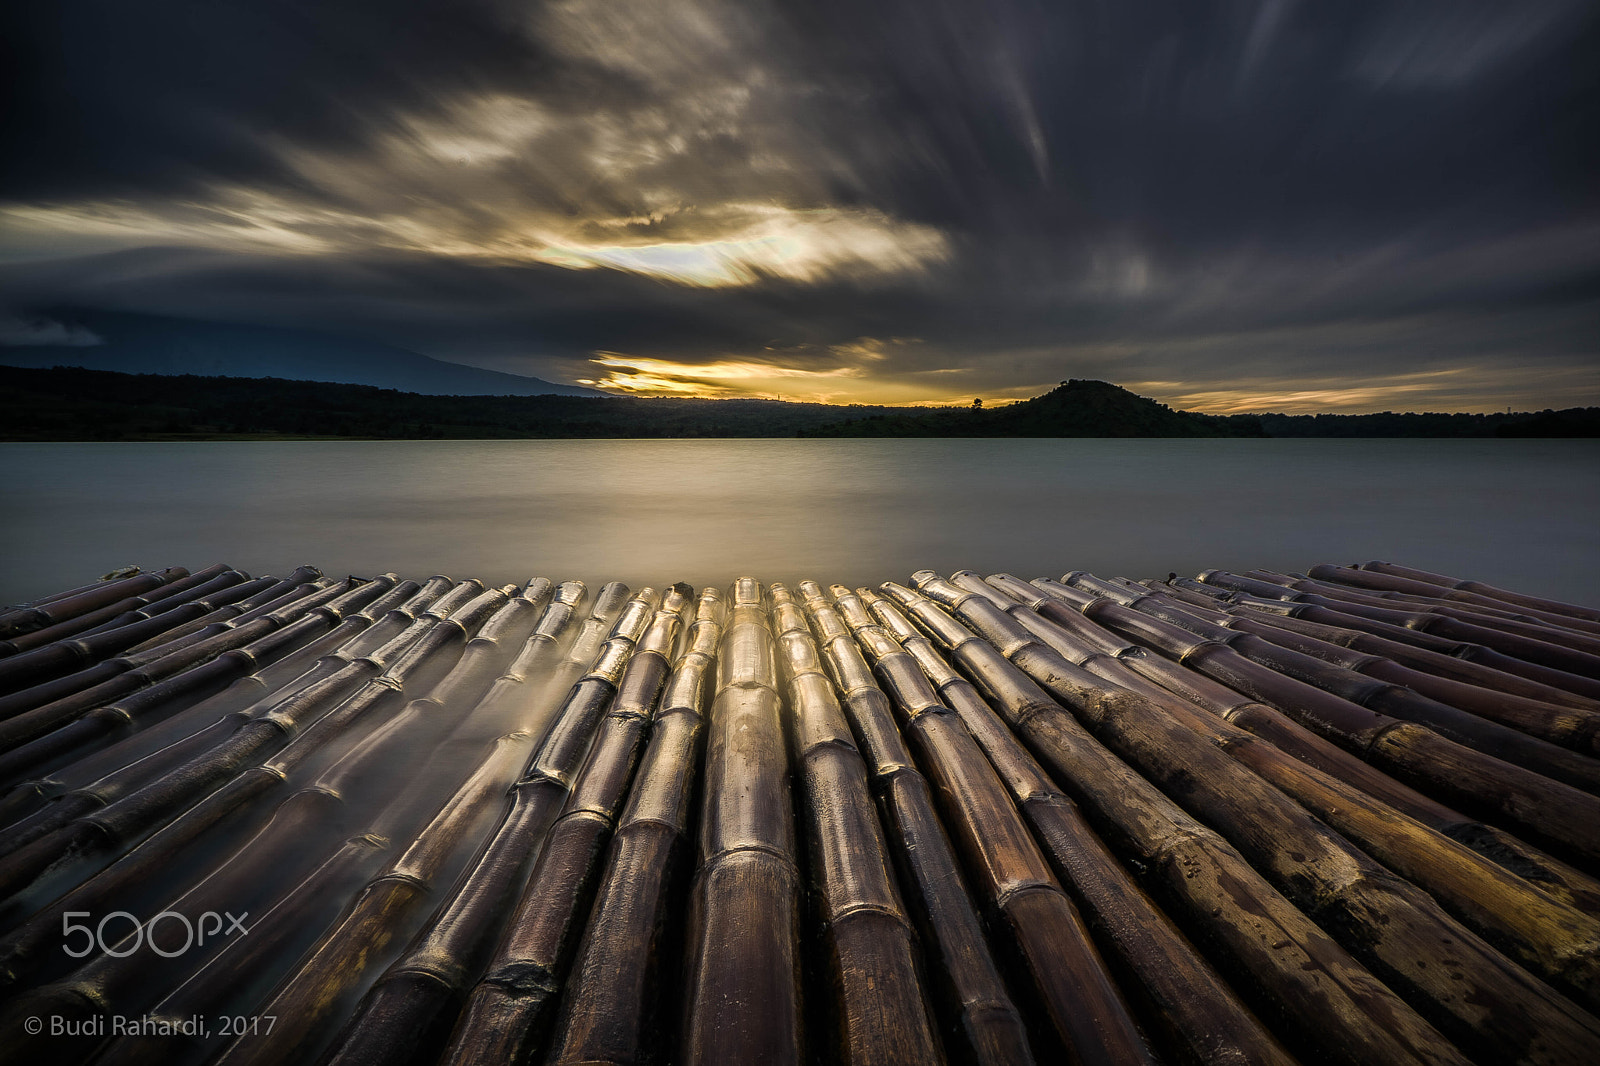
1367,203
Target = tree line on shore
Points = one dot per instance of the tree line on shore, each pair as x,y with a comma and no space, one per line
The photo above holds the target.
70,403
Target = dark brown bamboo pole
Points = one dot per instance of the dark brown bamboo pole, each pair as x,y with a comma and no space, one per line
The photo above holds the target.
1531,625
1464,777
1463,661
620,993
1087,1018
280,631
1567,726
24,654
743,995
1320,1001
248,876
981,1024
1469,990
230,708
408,1014
1201,1018
1565,883
1384,693
49,611
37,710
1406,579
87,677
365,935
74,737
324,711
239,612
879,1013
1557,942
1394,625
1284,614
509,1011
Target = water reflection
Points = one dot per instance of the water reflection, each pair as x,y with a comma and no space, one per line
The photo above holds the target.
1519,513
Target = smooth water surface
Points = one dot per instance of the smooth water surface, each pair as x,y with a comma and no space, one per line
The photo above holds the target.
1523,514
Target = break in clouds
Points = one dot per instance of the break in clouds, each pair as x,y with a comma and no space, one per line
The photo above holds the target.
1228,206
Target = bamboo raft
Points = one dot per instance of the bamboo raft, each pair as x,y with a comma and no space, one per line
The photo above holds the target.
1350,816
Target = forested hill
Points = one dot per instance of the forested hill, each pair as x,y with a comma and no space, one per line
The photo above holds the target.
70,403
1076,408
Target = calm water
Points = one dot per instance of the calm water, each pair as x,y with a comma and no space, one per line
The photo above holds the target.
1520,513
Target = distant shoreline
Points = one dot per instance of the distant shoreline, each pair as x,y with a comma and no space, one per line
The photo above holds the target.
74,404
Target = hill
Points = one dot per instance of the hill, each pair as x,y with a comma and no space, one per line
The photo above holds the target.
1077,408
149,344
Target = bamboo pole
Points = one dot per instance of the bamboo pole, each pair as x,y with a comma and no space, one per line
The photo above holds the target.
341,962
1448,658
323,711
743,995
879,1013
1404,578
277,632
509,1011
126,713
1391,624
981,1023
231,707
1087,1019
619,999
1320,1001
38,709
1200,1017
117,981
1552,939
1461,776
1427,614
1385,694
1285,615
51,610
1565,883
119,616
1469,990
1567,726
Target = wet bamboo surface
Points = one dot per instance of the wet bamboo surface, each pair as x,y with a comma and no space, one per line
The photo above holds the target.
1347,816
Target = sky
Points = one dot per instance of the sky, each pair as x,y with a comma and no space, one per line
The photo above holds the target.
1228,206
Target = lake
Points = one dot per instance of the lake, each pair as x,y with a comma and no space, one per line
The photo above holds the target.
1518,513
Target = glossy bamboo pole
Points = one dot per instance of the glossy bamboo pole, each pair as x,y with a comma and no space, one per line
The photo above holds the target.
1406,579
1338,612
1469,663
152,751
41,708
1384,693
335,970
620,997
48,653
1469,990
1461,776
1553,940
1087,1019
53,609
1567,726
510,1010
878,1012
743,995
322,711
1562,881
118,715
252,871
1198,1014
980,1022
280,630
1302,982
